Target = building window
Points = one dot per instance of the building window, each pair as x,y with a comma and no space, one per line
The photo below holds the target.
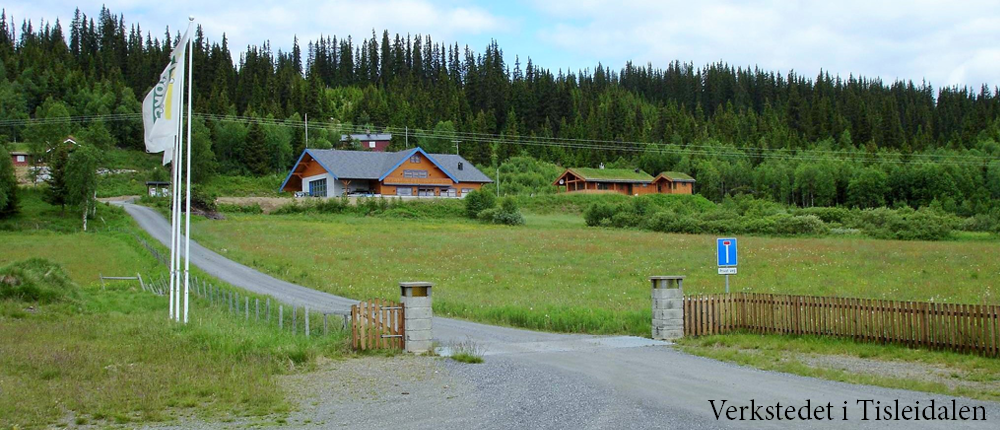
466,191
425,192
449,192
317,188
415,159
602,186
371,144
20,158
414,173
404,191
673,185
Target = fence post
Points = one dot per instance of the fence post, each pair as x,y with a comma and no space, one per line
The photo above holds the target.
256,309
281,314
267,309
246,307
295,317
417,313
325,330
668,307
306,309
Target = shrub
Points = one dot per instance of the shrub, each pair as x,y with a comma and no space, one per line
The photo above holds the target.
203,199
507,214
599,213
36,280
253,209
795,225
829,215
906,223
478,201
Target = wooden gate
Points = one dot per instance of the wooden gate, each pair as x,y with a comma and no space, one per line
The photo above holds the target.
377,324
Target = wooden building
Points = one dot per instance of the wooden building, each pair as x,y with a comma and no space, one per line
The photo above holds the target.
674,183
20,158
414,172
377,142
632,182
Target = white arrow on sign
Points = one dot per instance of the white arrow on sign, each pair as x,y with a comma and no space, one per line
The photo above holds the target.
726,243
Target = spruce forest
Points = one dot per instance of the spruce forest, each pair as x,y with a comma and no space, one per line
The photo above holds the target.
800,139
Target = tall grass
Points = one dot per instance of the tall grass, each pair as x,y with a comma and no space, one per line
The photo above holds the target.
109,355
555,274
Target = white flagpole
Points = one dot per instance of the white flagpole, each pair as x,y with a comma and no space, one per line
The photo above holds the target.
173,230
187,221
179,158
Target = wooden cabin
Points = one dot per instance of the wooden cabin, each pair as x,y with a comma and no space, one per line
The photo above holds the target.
20,158
410,173
674,183
632,182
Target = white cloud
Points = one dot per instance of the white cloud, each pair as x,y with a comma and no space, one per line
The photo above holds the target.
246,23
945,43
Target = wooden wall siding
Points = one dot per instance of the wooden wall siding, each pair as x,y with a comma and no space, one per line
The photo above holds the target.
377,324
313,168
433,172
942,326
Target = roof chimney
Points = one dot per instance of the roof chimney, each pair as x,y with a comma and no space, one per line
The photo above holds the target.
637,170
460,165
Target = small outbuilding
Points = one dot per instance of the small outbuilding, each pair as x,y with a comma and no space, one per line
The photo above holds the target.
674,183
20,158
377,142
158,189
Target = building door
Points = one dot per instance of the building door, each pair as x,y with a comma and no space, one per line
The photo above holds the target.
317,188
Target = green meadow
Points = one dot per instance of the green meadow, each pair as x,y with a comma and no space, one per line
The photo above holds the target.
556,274
109,355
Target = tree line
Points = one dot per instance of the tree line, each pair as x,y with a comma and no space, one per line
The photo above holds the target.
786,136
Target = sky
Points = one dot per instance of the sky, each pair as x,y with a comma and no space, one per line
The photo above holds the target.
943,42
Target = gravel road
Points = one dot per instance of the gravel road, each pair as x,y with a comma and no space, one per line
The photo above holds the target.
546,380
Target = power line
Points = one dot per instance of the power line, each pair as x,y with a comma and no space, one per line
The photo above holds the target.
568,143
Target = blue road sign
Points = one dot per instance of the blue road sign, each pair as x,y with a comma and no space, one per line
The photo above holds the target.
726,251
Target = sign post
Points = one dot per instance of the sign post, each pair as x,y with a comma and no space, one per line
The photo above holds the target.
725,252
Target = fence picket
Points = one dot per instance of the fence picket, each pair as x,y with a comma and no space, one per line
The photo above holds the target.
964,328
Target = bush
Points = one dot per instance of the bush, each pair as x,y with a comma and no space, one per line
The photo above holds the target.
36,280
906,223
203,199
253,209
599,213
795,225
507,214
478,201
829,215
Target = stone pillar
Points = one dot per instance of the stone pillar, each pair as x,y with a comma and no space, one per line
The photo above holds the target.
668,307
417,315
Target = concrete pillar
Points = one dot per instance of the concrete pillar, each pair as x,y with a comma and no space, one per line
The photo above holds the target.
668,307
417,315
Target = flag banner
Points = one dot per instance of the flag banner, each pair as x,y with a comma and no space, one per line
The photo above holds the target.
161,109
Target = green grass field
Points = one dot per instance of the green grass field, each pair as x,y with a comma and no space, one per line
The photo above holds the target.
109,356
555,274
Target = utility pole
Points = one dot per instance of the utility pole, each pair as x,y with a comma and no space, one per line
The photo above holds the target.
307,130
456,142
498,180
406,136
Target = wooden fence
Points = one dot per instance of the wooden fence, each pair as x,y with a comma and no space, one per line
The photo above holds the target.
377,324
946,326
